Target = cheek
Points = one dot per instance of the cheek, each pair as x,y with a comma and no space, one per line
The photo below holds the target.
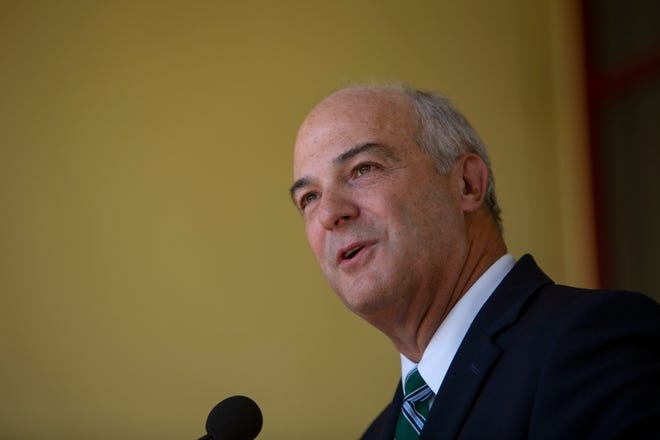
425,220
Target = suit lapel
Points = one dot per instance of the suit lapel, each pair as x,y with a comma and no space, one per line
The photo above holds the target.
461,385
478,353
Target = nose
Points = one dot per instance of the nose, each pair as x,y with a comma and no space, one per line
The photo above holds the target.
336,209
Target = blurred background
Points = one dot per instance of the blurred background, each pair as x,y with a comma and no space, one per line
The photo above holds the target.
151,261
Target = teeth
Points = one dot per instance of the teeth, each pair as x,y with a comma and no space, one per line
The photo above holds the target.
352,252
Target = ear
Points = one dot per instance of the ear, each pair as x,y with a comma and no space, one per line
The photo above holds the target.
474,182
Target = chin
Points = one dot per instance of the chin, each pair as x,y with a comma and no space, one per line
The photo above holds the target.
366,303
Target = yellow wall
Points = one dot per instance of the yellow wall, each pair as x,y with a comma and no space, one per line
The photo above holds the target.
151,263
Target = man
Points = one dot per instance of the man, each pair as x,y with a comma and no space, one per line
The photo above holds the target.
398,201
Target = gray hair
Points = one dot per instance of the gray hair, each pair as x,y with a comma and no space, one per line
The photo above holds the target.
445,135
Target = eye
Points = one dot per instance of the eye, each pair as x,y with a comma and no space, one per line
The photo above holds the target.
306,199
364,168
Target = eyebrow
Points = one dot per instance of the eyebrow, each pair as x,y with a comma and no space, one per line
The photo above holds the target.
337,161
300,183
352,152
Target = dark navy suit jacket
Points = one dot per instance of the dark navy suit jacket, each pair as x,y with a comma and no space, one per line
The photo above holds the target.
544,361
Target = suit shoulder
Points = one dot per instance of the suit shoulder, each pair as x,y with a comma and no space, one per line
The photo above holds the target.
603,352
615,306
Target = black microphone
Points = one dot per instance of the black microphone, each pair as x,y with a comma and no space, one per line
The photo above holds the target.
235,418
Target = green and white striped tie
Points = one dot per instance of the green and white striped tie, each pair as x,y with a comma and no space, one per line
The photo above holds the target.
415,407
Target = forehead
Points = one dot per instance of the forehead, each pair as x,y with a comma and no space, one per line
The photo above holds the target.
354,117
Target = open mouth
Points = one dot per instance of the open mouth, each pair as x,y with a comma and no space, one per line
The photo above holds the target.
353,250
349,254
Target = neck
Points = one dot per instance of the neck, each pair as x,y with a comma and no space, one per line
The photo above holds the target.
483,250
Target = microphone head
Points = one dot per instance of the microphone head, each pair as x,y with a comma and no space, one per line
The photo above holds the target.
235,418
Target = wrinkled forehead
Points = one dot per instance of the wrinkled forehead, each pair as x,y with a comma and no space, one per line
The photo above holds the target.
354,116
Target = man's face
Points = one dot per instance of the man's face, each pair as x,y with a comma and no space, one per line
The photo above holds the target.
386,227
